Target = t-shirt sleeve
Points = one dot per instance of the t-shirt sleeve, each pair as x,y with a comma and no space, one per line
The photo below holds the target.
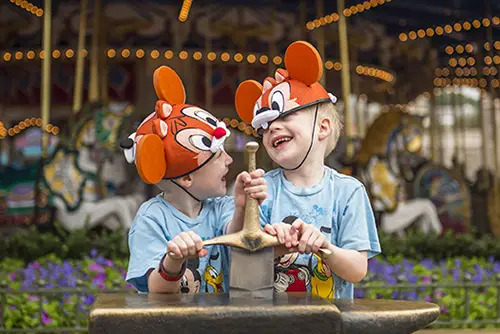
225,216
357,229
147,242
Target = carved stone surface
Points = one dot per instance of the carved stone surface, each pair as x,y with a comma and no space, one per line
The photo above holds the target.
285,313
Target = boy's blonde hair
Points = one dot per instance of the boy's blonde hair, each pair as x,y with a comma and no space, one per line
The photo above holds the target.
327,109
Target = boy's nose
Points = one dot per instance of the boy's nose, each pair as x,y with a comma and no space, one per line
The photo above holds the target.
229,160
275,125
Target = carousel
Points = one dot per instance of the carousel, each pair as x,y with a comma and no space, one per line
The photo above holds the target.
417,86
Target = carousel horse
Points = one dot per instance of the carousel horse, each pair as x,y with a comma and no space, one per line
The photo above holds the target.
83,178
405,188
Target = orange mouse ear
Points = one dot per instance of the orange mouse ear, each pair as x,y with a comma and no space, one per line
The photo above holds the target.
247,94
150,159
303,62
168,85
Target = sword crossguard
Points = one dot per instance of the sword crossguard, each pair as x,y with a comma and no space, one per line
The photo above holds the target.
251,237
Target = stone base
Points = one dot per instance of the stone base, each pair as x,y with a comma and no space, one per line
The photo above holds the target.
285,313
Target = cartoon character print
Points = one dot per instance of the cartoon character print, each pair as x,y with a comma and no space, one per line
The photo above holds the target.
292,88
296,272
175,132
213,278
191,281
322,281
289,277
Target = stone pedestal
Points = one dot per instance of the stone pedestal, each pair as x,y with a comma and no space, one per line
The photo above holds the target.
285,313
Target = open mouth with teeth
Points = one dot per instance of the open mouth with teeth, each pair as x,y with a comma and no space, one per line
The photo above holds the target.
281,141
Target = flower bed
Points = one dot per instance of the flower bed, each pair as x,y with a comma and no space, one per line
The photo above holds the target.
69,287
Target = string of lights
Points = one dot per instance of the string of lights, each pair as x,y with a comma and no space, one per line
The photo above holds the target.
183,14
353,10
27,123
448,29
28,6
241,126
223,56
471,82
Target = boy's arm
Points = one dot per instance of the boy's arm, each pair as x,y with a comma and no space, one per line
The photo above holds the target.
185,245
349,264
357,238
252,184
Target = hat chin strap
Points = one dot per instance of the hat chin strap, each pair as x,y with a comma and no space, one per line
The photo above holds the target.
178,185
310,145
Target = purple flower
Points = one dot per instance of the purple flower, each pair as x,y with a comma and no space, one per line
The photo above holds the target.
36,265
444,309
101,286
428,299
458,263
93,252
33,298
12,276
89,300
439,293
427,263
99,278
96,267
45,318
426,279
109,263
496,267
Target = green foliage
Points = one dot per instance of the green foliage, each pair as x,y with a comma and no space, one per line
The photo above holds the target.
419,246
31,244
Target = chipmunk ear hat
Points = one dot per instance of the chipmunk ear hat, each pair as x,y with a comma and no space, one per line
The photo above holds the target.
293,88
177,138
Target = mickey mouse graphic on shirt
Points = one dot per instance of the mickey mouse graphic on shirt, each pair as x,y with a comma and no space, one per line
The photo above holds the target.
175,131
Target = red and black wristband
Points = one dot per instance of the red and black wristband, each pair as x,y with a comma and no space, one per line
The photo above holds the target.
169,276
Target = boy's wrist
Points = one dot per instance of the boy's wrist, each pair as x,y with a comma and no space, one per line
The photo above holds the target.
172,269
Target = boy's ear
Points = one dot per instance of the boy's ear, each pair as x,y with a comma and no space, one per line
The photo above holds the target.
168,85
303,62
185,181
150,159
325,128
247,94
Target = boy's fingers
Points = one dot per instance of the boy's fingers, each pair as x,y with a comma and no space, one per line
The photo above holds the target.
255,189
198,243
202,252
257,173
182,246
270,229
304,238
191,250
280,233
172,247
297,225
318,243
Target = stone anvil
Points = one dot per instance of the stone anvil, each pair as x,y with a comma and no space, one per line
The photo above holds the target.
251,307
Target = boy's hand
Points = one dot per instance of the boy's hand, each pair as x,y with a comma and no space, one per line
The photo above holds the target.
310,238
186,245
252,184
285,236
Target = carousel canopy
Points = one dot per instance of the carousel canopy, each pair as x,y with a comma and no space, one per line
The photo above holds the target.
399,48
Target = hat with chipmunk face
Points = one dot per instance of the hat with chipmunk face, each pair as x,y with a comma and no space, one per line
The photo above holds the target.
177,138
293,88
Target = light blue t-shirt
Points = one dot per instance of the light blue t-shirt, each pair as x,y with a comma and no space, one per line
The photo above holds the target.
339,207
157,222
